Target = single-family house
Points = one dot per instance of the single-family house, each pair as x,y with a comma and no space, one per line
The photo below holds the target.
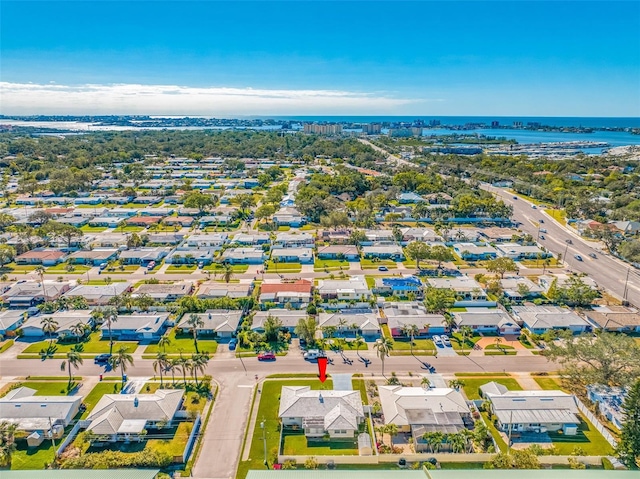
351,324
206,240
379,251
93,257
297,294
546,281
474,252
342,236
124,417
319,412
339,252
496,234
11,319
244,256
46,415
627,228
292,255
164,239
289,319
216,289
418,410
399,315
378,236
100,294
138,326
217,322
189,255
614,318
180,221
254,239
293,240
144,221
519,252
352,289
144,256
288,216
426,235
488,321
398,286
33,327
468,291
165,292
26,294
532,411
410,198
540,319
520,288
42,256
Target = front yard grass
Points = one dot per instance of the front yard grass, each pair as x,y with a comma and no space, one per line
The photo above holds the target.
472,385
184,343
371,264
421,347
47,388
65,268
469,343
330,265
93,229
182,268
547,383
217,268
17,268
124,269
499,349
4,345
92,345
99,390
283,267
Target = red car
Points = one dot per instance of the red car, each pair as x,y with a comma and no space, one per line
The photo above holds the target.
267,356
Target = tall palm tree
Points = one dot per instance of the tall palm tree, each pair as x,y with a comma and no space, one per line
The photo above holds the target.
498,342
73,359
425,383
173,365
411,330
466,333
163,342
199,365
78,330
39,270
7,442
227,272
121,359
110,315
183,364
195,322
358,342
160,364
383,347
49,326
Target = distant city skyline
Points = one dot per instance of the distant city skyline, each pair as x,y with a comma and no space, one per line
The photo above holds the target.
423,58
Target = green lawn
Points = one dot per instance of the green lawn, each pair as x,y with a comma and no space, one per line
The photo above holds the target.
559,215
129,229
347,344
330,265
192,402
217,268
93,229
469,343
175,445
588,439
91,346
185,343
182,268
498,347
126,269
4,345
32,457
104,281
472,385
502,445
370,264
268,412
283,267
17,268
402,347
299,445
47,388
62,269
99,390
371,281
547,383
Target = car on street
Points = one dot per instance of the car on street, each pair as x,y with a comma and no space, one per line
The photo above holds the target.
102,358
445,340
267,356
437,340
541,220
233,344
383,268
534,207
593,255
515,197
313,354
568,241
578,257
542,237
542,230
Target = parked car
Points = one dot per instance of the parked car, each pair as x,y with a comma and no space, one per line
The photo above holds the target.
102,358
445,340
578,257
233,344
593,255
151,265
103,265
267,356
437,341
383,268
313,354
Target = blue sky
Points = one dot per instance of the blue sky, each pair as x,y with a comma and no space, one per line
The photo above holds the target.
545,58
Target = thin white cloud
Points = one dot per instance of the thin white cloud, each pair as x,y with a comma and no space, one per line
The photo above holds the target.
30,98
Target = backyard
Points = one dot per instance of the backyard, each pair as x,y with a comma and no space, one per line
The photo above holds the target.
297,444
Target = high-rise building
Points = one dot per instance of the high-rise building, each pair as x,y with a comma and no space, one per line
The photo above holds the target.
323,128
372,128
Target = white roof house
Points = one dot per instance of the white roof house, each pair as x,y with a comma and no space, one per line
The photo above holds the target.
365,322
99,294
11,319
288,317
219,321
518,251
216,289
465,287
125,414
165,291
353,288
138,326
519,287
65,319
539,319
37,413
487,320
319,411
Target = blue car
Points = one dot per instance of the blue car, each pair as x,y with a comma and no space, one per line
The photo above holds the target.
233,344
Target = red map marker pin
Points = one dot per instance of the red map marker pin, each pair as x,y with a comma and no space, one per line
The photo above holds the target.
322,368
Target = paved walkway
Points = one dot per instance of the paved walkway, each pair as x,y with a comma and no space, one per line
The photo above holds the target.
526,381
17,348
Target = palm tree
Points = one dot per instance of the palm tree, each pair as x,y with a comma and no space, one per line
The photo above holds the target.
383,346
49,326
458,442
173,365
194,323
456,384
227,272
110,315
358,342
121,359
466,333
199,364
411,330
435,440
183,364
498,341
160,364
425,382
39,270
73,359
163,342
78,330
7,442
392,430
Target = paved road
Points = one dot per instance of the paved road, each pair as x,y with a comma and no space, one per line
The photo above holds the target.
608,272
393,158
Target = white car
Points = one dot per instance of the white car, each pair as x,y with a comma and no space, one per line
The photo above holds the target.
313,354
437,341
445,340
